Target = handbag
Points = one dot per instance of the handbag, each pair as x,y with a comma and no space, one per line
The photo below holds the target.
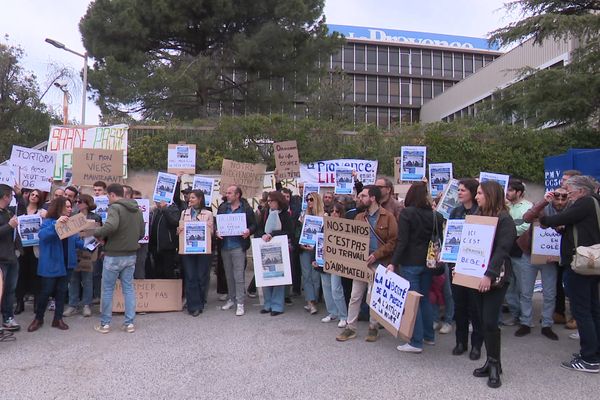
432,261
586,259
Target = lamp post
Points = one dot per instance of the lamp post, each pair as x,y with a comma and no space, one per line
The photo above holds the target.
59,45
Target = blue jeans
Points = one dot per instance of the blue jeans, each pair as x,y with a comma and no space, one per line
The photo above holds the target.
528,275
334,295
80,279
10,274
513,293
121,267
585,307
420,281
196,268
310,276
274,298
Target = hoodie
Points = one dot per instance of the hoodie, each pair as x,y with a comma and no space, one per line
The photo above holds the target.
123,228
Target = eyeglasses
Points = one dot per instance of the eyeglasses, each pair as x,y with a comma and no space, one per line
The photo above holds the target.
562,196
310,199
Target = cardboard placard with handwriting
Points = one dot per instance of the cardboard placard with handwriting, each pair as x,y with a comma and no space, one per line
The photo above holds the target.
287,160
92,165
346,248
75,224
248,177
151,295
545,245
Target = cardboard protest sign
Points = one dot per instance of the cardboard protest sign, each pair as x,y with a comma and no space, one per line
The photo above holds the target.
231,224
74,225
151,295
29,229
545,245
452,236
164,189
388,297
413,159
287,160
63,139
440,176
475,250
7,176
248,177
401,190
449,199
319,259
347,248
181,158
92,165
144,206
343,180
206,185
500,178
195,238
86,260
272,265
309,188
32,168
311,226
323,172
407,322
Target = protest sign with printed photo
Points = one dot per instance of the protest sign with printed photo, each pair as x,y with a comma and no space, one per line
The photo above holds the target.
144,206
311,226
449,199
452,236
413,159
271,261
440,176
164,190
29,229
195,237
319,259
309,188
344,183
206,185
500,178
181,158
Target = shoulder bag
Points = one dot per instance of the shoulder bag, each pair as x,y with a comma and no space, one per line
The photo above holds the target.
586,259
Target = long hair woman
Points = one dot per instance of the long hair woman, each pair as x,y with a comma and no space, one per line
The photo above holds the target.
492,288
310,276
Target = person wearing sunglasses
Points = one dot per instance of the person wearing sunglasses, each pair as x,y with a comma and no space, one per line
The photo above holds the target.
310,276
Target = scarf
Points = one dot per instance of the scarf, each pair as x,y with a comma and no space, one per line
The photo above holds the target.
273,222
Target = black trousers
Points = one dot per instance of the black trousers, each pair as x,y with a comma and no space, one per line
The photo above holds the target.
465,310
28,281
488,306
57,287
560,306
164,264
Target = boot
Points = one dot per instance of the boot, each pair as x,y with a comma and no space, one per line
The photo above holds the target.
20,307
483,371
494,373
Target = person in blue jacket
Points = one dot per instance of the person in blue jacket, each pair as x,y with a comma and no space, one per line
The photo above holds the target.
57,260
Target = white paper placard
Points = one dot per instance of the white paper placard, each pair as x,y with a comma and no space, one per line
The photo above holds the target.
33,168
231,224
309,188
101,206
144,206
206,185
413,160
271,261
7,175
311,226
343,180
164,189
452,236
319,259
29,229
389,296
500,178
440,176
195,237
181,157
475,247
545,242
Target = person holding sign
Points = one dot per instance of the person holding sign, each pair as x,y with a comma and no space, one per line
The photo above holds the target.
581,218
492,288
196,267
383,231
9,244
310,276
409,260
274,221
58,258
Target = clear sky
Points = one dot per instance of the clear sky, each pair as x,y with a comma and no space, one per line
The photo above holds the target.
29,22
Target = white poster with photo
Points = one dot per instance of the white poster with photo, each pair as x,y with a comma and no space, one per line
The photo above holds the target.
343,180
452,236
164,189
475,247
194,233
545,242
101,206
206,185
272,261
440,176
90,243
231,224
388,296
413,160
33,168
449,199
309,188
144,206
311,226
29,229
323,172
319,258
181,158
7,175
500,178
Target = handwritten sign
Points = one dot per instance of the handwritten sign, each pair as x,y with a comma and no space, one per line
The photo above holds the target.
452,239
272,265
158,295
181,158
412,159
231,224
475,250
343,180
7,176
144,206
287,160
440,176
92,165
248,177
545,245
323,172
164,189
63,139
311,226
33,168
75,224
347,248
388,297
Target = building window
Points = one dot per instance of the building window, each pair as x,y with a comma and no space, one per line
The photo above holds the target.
447,85
416,92
359,88
404,91
404,61
448,67
487,60
394,61
383,90
405,116
427,90
371,58
359,54
426,63
458,66
336,60
349,57
438,88
383,117
371,89
478,62
437,63
415,61
382,59
359,115
394,91
395,116
372,115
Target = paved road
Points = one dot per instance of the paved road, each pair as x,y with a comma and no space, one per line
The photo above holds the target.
292,356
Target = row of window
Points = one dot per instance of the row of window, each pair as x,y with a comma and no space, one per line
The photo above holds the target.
394,91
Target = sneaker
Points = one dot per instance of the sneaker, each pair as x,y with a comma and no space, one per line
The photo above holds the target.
372,335
510,322
70,311
229,305
470,327
87,311
342,323
346,334
549,333
313,309
522,331
577,364
307,307
223,297
407,348
574,336
129,328
11,325
429,342
446,328
328,318
436,325
252,295
51,305
240,310
102,328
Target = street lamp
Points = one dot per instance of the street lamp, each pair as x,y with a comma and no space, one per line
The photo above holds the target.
61,46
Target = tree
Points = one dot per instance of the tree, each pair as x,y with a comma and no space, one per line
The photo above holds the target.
24,120
563,95
189,58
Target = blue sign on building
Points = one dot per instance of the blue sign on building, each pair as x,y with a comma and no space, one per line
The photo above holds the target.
396,36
